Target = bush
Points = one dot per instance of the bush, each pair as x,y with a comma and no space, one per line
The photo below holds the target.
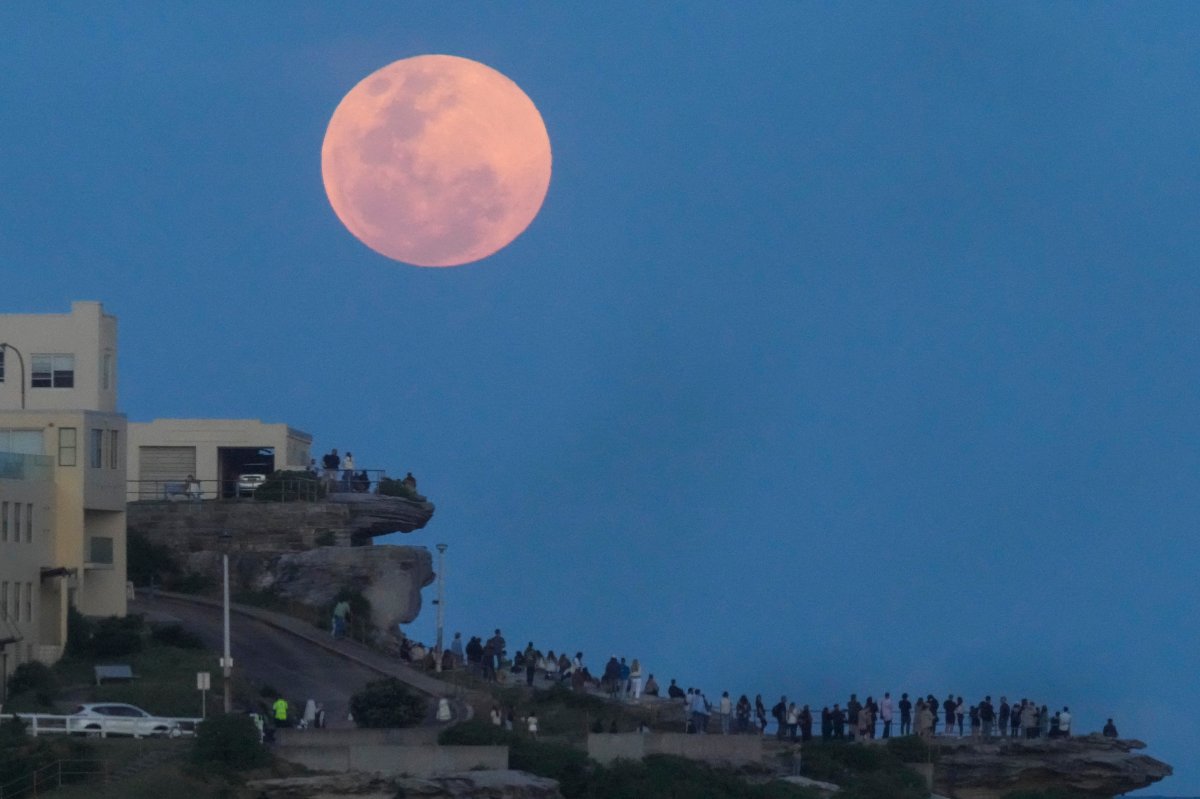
229,741
911,749
79,633
115,636
291,486
892,784
566,764
476,732
147,561
37,678
174,635
396,488
387,703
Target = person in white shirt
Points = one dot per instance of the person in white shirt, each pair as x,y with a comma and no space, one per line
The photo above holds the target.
1064,723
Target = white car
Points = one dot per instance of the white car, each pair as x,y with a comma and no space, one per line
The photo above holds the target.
112,718
247,484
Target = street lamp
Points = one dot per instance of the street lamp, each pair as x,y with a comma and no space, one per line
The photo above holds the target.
227,660
20,358
441,602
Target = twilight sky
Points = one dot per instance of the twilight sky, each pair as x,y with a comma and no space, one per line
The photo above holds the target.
854,349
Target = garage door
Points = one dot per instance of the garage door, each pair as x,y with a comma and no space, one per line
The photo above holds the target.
160,465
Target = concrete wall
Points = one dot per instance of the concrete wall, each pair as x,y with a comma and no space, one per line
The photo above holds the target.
395,759
733,750
292,447
87,333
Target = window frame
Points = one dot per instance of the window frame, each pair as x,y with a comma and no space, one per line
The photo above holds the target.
64,447
57,376
96,448
114,449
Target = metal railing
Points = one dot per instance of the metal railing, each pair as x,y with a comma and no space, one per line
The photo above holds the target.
304,489
52,776
51,724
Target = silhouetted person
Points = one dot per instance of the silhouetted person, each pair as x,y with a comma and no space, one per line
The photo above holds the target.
1110,729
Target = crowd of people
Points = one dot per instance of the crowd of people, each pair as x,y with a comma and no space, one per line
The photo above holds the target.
339,473
856,720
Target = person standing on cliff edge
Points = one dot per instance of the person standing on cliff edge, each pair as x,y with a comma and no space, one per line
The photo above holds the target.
885,714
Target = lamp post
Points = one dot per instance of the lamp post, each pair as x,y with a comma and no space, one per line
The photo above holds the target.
20,358
227,659
441,601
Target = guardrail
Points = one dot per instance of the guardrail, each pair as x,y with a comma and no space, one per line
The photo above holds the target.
50,724
361,481
54,775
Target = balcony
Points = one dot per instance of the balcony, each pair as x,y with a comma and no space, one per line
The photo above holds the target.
15,466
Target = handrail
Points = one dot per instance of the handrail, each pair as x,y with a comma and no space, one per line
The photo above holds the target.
53,724
52,775
360,481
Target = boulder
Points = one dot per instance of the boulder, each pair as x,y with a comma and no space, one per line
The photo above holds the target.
1092,765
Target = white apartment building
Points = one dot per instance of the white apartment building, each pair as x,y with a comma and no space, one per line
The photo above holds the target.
62,478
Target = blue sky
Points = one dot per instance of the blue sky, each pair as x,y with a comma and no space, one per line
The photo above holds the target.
854,348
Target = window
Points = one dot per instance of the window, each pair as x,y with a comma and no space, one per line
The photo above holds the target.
1,364
16,526
96,447
53,371
29,523
114,437
100,550
3,521
66,446
4,600
106,361
28,602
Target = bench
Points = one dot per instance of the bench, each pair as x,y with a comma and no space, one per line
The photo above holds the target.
115,672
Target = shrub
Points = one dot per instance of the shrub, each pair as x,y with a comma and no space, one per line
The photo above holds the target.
477,732
230,741
174,635
291,486
79,633
387,703
911,749
892,784
37,678
147,561
396,488
115,636
566,764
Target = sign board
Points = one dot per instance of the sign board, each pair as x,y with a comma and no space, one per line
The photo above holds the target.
203,681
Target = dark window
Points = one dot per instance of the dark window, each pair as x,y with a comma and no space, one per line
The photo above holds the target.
53,371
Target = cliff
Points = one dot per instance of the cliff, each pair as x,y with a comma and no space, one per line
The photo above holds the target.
1091,765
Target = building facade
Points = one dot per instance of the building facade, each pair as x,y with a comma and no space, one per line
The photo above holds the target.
216,452
62,478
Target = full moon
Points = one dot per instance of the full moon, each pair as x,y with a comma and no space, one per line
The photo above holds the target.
436,161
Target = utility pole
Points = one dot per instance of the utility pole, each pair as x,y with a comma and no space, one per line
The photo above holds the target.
441,601
227,660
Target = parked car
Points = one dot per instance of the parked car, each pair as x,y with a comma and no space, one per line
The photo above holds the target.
112,718
248,483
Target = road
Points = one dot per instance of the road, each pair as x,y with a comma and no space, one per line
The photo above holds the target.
266,656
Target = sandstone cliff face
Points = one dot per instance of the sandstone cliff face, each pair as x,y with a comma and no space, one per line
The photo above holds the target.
1091,765
391,578
467,785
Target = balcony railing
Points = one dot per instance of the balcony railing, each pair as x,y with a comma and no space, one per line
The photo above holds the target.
15,466
304,489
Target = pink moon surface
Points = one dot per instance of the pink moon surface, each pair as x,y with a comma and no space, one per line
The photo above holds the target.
436,160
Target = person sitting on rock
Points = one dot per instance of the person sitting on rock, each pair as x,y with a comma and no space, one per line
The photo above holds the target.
1110,729
674,691
651,686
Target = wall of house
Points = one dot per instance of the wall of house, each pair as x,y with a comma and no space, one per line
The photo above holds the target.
87,333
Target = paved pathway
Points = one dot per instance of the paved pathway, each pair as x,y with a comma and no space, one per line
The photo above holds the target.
292,655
